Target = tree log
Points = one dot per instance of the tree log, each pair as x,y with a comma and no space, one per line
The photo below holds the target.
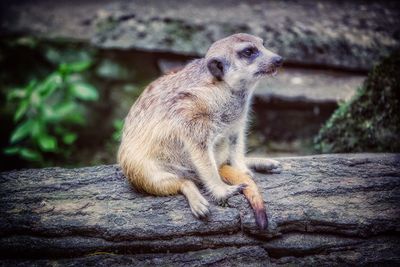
324,210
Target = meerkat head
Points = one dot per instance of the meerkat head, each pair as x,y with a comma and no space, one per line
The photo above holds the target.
241,60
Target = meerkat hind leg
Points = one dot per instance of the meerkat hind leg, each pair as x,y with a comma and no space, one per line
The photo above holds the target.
156,180
174,185
233,176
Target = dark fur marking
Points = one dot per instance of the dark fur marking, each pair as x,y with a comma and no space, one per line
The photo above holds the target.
179,97
249,58
150,88
147,102
234,108
184,95
233,139
202,115
225,118
218,67
203,145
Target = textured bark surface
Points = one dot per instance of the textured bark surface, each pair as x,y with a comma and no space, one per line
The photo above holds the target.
327,209
350,34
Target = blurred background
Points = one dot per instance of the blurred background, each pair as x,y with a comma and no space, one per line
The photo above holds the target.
70,70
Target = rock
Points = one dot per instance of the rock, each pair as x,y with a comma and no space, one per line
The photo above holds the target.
323,210
284,102
370,121
342,34
294,84
309,86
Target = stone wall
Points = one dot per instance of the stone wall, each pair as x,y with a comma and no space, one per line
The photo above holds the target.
352,35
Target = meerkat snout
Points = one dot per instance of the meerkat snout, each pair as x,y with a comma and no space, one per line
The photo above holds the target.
277,61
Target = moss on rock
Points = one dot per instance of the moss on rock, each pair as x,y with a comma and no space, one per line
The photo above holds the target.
370,121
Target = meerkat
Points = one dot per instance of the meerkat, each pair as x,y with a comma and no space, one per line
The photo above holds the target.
189,126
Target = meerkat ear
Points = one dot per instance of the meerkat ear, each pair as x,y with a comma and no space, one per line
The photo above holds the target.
216,67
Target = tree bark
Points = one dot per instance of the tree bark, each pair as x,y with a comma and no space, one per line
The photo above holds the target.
323,210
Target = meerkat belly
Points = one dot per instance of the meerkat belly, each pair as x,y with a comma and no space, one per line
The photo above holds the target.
176,159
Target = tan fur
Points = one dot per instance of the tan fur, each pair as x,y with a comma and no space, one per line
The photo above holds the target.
251,192
188,123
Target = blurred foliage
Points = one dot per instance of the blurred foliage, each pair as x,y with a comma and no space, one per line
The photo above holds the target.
370,121
47,110
118,76
118,126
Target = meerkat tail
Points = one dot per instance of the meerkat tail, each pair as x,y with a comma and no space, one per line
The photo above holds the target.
251,192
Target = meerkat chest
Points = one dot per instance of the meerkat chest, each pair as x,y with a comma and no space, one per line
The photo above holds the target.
235,107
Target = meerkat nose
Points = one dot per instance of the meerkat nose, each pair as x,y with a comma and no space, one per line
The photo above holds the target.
277,61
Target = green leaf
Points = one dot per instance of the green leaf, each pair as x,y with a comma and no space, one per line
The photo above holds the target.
29,154
21,110
47,143
69,138
37,128
30,87
118,124
59,129
53,55
36,99
75,118
111,70
116,136
11,150
84,91
50,85
49,115
16,93
63,109
75,67
21,131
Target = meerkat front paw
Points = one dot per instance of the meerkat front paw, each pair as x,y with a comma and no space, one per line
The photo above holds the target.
199,207
223,193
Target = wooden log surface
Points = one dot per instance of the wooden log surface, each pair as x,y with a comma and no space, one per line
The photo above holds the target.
324,210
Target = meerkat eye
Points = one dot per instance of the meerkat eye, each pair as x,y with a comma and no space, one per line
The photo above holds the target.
249,52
